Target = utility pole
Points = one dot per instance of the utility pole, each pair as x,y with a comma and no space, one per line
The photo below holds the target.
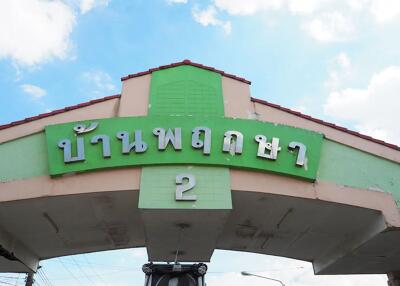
29,279
394,278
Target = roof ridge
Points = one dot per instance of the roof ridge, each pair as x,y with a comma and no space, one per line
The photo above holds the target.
189,63
308,117
57,111
322,122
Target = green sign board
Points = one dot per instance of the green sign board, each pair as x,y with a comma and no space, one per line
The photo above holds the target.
168,140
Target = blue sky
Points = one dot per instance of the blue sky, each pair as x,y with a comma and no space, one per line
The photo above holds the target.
304,54
336,60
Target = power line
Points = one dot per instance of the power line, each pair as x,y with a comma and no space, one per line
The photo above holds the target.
72,275
16,280
110,273
259,270
103,265
6,283
44,277
81,269
93,269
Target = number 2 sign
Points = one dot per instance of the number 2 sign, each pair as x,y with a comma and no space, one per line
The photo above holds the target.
181,187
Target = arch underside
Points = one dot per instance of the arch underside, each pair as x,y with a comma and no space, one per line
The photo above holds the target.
269,216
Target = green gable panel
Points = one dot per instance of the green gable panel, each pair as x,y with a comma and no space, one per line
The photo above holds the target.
347,166
23,158
186,90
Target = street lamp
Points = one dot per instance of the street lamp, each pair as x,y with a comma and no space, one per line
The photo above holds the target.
245,273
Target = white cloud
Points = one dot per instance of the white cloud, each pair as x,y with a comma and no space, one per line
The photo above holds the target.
34,91
248,7
373,110
339,72
208,17
99,83
330,27
35,31
326,21
343,60
87,5
385,10
177,1
305,6
139,253
305,278
297,7
358,5
289,271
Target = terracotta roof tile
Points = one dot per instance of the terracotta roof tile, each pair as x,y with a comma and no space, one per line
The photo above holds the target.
296,113
319,121
17,122
58,111
189,63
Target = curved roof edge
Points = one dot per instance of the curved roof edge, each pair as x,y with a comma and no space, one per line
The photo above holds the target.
57,111
261,101
188,63
325,123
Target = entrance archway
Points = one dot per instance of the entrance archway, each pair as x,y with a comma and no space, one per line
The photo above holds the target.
185,154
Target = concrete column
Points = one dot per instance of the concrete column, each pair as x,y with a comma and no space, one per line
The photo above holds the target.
20,258
394,278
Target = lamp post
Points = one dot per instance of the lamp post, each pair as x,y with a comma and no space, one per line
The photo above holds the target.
245,273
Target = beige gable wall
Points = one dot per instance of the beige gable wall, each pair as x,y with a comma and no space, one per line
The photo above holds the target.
105,109
237,102
271,114
135,96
